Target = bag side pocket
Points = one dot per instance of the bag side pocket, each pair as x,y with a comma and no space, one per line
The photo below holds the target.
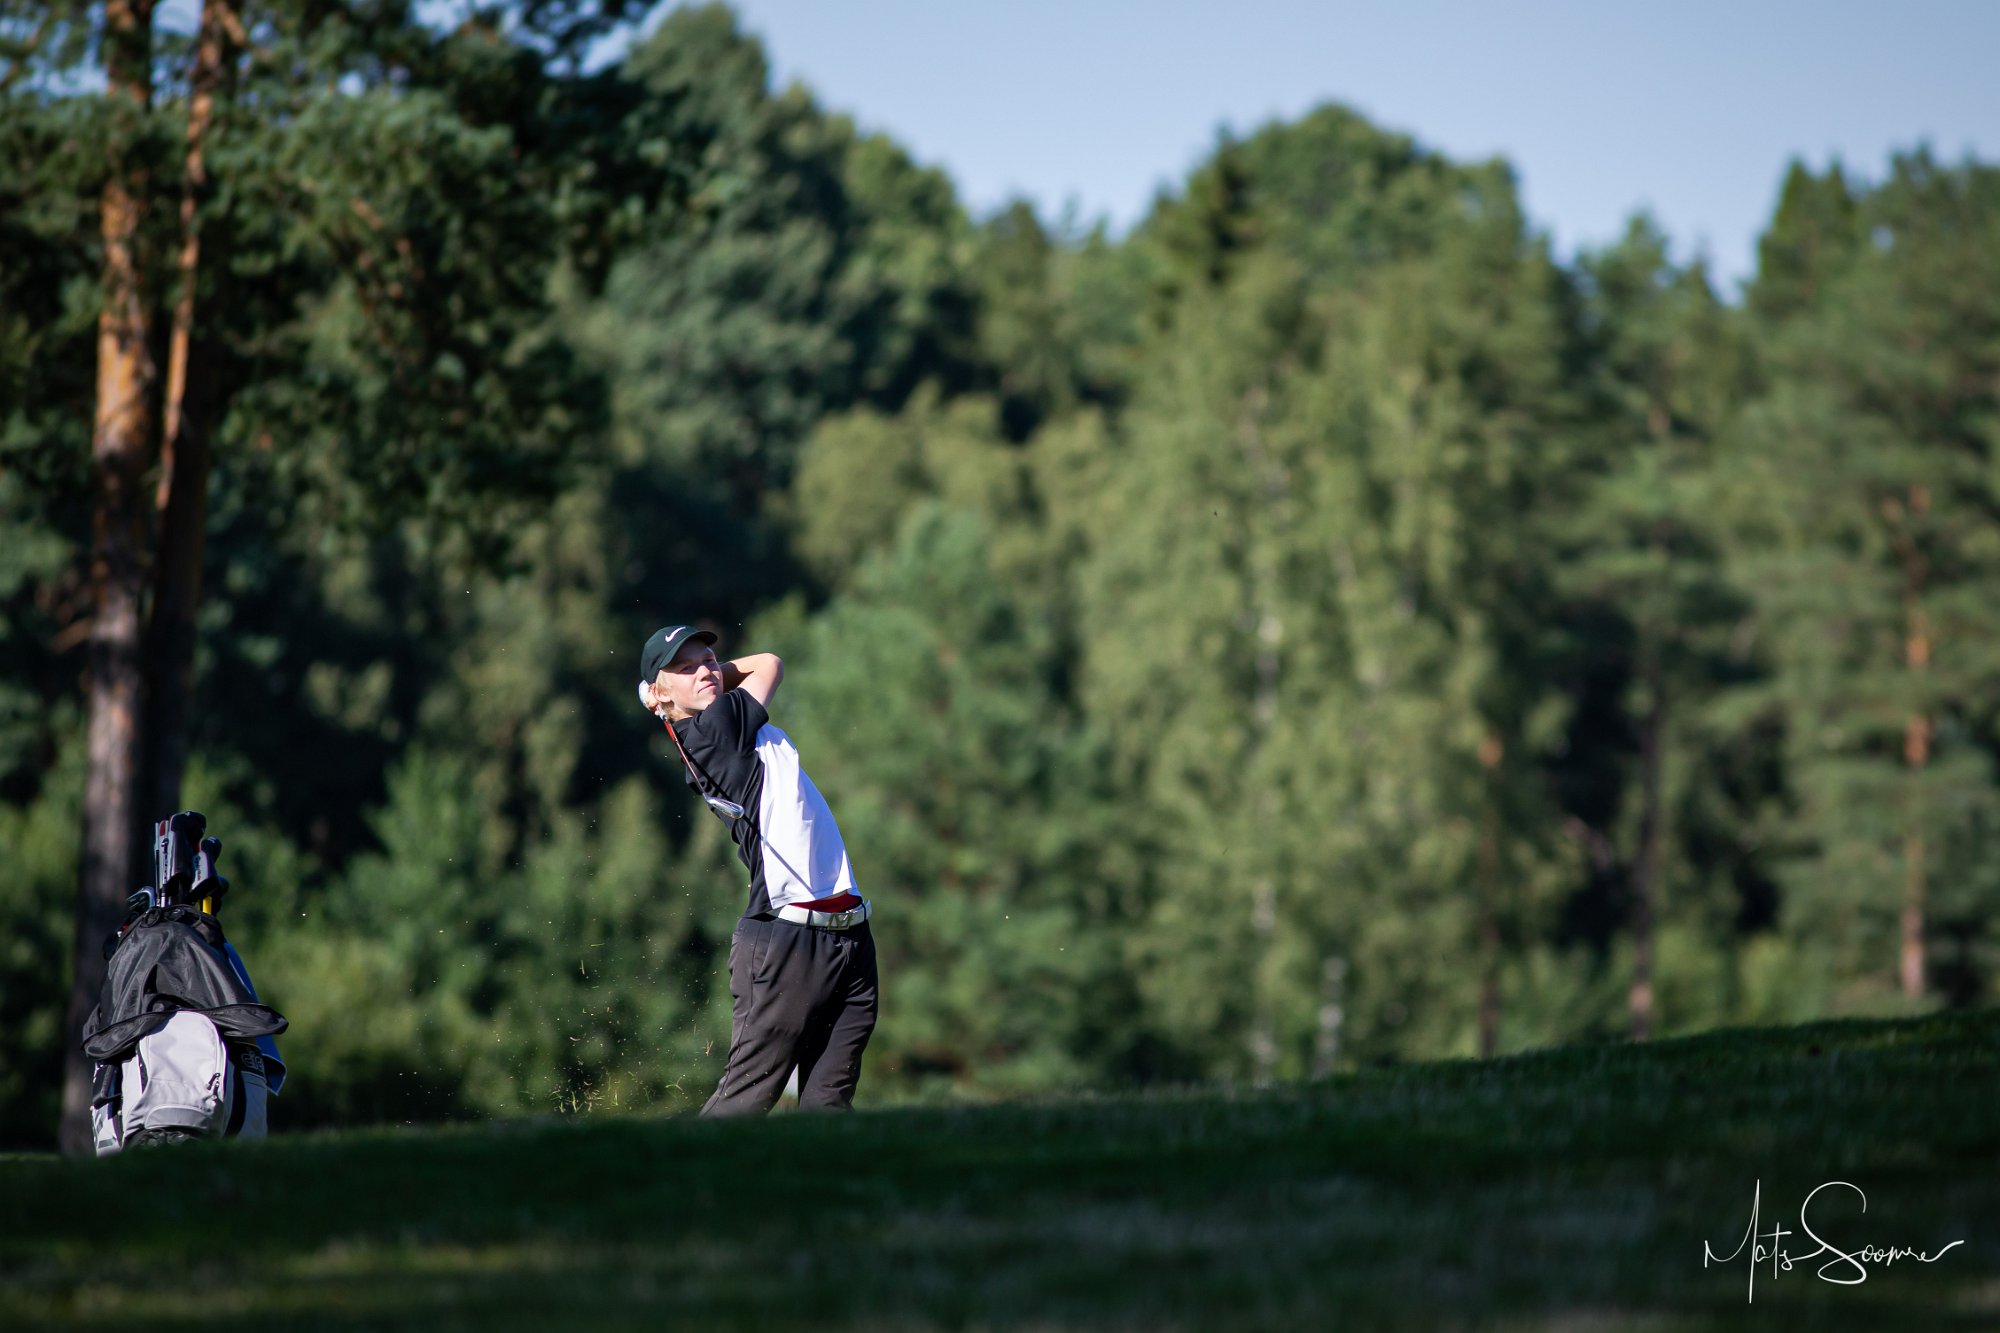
182,1078
248,1119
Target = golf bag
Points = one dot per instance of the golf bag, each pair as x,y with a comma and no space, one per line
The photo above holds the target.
183,1047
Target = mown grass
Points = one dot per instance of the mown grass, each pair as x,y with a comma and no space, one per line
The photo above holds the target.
1568,1189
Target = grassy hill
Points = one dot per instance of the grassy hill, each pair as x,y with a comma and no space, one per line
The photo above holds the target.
1568,1189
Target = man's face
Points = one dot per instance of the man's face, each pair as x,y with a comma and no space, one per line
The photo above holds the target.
693,680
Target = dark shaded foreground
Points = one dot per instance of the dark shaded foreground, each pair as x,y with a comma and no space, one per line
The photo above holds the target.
1569,1189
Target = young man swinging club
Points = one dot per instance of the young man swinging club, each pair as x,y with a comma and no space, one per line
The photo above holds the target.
801,963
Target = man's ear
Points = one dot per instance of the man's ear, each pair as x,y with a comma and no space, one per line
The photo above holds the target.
647,699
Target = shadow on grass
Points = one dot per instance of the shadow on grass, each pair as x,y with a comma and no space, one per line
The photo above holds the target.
1568,1189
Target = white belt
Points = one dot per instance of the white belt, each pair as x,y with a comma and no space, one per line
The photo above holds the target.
806,916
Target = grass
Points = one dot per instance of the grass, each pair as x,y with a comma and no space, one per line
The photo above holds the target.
1569,1189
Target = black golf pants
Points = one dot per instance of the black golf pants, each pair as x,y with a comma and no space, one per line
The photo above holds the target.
800,996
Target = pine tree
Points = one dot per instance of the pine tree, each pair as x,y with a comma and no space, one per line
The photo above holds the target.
421,269
1811,239
1642,556
1866,531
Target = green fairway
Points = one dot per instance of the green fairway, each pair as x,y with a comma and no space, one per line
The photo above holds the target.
1570,1189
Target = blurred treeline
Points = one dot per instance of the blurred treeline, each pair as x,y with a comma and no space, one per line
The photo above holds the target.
1318,627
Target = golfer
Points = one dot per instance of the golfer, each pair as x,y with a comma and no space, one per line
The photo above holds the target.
801,962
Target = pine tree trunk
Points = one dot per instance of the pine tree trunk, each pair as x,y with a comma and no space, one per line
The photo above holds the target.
1916,744
112,840
182,498
1916,753
1489,979
1645,866
1489,902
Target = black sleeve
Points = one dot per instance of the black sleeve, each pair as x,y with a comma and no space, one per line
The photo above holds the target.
730,724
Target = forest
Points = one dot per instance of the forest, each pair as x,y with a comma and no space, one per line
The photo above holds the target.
1320,627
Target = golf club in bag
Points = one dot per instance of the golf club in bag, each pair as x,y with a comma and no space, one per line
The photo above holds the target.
183,1047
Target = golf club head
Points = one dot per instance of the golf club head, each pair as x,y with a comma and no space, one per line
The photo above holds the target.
175,840
207,883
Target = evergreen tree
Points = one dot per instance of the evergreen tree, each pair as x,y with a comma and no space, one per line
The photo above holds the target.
1811,239
1652,610
971,801
1314,628
1865,527
359,193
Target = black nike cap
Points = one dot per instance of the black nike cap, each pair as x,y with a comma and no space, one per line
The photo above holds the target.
664,643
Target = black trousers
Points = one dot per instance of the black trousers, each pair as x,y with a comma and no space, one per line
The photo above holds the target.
801,996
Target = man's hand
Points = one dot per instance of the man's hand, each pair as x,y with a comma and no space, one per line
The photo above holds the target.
758,673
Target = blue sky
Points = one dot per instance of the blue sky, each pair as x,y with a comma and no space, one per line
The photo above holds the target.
1689,109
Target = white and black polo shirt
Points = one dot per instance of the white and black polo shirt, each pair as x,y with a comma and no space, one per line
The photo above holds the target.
786,837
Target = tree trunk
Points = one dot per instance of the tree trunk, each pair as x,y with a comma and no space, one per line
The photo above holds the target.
1489,900
1264,902
1270,628
1917,736
182,498
1263,1043
1916,753
1332,1013
1645,866
112,840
